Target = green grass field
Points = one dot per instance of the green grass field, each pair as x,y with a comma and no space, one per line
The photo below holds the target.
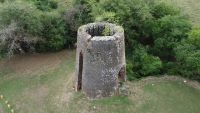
43,83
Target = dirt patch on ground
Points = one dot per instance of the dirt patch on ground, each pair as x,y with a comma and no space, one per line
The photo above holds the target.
1,110
32,63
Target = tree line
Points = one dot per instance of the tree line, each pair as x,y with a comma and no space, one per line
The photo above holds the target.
159,39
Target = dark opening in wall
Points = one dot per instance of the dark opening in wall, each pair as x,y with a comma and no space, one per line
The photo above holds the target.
79,87
100,30
122,74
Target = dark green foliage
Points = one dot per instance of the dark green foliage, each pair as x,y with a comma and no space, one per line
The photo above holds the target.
2,53
23,14
1,1
78,15
157,26
131,14
53,33
143,64
194,38
188,55
167,32
49,28
162,9
46,5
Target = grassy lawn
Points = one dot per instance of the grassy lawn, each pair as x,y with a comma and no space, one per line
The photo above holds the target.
43,83
190,8
170,97
33,86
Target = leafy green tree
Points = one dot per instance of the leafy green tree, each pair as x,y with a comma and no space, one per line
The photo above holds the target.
48,29
54,33
188,55
19,26
24,14
46,5
167,33
143,64
151,24
162,9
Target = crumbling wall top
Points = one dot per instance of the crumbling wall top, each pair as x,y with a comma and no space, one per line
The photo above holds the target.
101,31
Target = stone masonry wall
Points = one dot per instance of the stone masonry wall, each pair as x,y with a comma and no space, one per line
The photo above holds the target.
100,59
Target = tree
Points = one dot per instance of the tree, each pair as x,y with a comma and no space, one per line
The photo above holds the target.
152,30
188,55
143,64
13,39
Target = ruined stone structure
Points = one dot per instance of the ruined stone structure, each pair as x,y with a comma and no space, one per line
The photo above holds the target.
100,59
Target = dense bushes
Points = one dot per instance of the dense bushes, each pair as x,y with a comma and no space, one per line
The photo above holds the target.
142,64
152,30
36,22
46,5
166,33
53,32
23,14
188,55
162,9
19,25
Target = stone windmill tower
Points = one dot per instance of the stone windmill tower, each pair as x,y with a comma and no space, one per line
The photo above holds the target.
100,59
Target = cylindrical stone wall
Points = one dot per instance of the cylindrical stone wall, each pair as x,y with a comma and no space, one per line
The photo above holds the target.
100,59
